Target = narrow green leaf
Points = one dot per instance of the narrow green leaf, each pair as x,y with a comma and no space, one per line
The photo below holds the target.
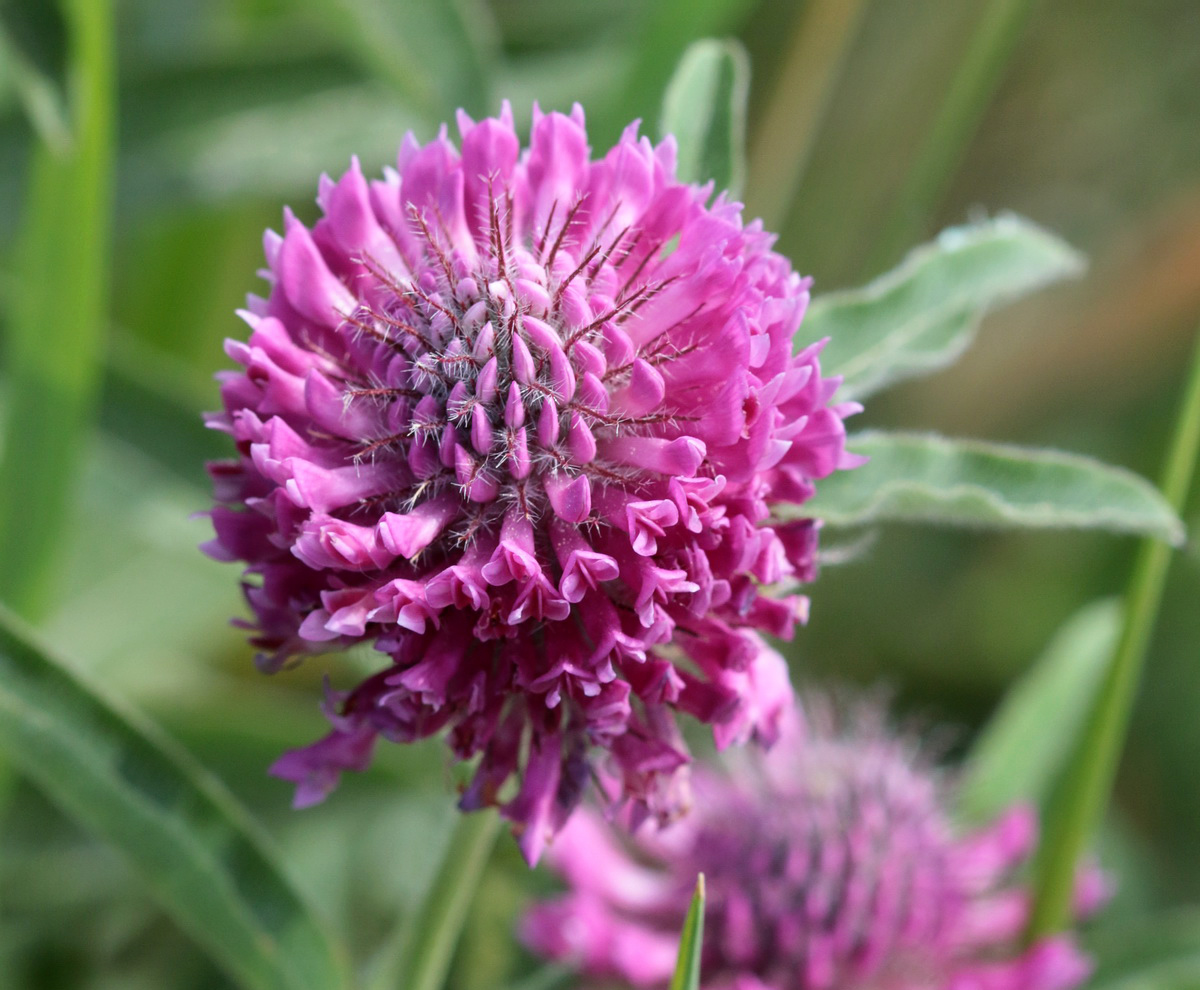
1082,792
915,477
922,315
705,108
56,314
1022,748
199,852
661,33
691,939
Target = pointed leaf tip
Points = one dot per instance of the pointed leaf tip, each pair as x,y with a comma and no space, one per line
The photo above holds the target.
704,107
687,967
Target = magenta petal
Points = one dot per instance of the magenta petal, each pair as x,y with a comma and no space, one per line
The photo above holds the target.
570,498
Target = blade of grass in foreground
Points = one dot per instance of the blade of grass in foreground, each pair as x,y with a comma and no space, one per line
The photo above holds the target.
55,315
1087,780
201,855
691,941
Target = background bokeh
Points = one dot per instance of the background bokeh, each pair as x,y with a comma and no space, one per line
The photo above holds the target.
230,108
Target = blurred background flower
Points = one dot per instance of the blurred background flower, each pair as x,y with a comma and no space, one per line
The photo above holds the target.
831,863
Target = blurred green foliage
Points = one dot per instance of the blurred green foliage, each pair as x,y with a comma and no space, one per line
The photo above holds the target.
228,108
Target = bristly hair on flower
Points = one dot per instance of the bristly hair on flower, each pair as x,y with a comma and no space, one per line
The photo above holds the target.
830,863
519,418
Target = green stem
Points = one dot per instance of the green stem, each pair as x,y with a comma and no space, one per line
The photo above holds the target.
784,138
971,91
56,315
1087,781
420,957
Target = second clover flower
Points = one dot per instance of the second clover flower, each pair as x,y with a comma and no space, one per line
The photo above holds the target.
519,419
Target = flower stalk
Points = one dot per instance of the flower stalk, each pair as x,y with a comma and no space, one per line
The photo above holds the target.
420,958
1087,781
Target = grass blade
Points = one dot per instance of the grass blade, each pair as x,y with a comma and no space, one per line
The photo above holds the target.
783,140
200,854
35,84
691,939
971,91
1087,780
56,315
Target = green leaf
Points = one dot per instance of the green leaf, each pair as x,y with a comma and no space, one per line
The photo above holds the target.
1157,953
922,315
915,477
199,852
1084,789
705,108
660,33
56,314
1023,747
691,939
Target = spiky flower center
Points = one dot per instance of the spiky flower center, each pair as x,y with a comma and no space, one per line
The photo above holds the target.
505,389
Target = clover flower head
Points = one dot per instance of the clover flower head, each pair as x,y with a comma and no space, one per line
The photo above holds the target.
831,864
519,418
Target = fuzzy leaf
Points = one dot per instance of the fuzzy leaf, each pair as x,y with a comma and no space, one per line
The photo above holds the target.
1023,747
199,852
915,477
922,315
691,939
705,108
